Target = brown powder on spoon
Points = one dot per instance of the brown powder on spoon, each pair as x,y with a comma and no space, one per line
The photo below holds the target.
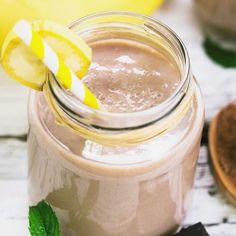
226,140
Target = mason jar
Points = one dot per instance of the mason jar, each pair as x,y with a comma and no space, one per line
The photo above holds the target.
219,20
115,174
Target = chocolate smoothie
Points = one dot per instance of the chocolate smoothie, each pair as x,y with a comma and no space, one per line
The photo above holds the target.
102,190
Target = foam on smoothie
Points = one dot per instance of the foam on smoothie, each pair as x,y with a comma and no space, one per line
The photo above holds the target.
127,76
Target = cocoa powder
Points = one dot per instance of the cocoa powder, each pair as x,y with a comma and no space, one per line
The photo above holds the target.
226,140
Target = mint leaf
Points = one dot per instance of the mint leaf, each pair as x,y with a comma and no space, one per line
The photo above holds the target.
43,221
222,56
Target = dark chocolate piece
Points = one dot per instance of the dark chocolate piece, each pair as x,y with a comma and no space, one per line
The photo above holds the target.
194,230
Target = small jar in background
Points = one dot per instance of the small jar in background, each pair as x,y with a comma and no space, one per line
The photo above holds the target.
219,20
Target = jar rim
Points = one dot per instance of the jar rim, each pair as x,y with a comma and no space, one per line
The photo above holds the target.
84,114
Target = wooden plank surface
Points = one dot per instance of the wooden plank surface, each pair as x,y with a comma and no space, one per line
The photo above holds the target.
218,86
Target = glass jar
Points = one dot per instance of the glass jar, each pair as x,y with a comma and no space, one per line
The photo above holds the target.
65,11
219,20
117,173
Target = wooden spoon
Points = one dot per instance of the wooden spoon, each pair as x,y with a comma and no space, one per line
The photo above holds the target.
222,146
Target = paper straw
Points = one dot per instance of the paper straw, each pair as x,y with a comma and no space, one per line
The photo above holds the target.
47,55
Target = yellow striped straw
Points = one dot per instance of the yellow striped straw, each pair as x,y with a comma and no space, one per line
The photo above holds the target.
62,72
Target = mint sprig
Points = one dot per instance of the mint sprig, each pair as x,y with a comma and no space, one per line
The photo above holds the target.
220,55
43,221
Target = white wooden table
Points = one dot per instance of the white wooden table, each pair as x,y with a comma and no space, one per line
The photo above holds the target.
218,87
